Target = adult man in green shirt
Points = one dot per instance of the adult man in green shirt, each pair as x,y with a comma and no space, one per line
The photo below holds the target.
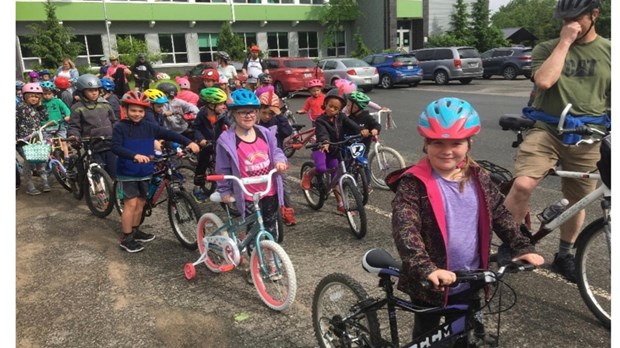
576,69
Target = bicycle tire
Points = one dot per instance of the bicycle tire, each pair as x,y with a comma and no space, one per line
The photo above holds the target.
334,298
185,176
118,202
290,117
356,214
391,160
362,182
76,183
277,294
99,199
60,173
183,214
594,255
207,225
287,146
279,237
314,196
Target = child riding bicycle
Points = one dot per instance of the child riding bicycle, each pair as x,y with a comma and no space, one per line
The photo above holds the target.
444,211
57,111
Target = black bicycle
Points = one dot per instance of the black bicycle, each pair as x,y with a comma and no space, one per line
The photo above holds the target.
343,315
183,212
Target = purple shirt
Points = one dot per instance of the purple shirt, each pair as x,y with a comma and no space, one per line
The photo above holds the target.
461,211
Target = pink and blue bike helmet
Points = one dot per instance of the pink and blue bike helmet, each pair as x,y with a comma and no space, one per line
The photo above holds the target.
449,118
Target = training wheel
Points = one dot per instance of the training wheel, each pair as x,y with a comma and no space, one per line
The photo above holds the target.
190,271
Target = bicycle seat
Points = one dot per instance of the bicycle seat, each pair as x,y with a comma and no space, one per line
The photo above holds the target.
217,198
380,261
297,127
515,122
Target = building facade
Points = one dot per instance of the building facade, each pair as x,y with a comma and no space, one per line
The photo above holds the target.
186,31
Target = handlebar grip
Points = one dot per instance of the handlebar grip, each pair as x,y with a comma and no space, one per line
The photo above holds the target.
215,177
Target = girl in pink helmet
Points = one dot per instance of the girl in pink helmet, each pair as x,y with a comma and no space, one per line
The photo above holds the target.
186,93
314,104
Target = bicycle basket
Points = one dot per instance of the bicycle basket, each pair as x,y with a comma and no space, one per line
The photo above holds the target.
604,164
499,175
37,152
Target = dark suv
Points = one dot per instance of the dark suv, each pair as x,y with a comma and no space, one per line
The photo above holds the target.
508,62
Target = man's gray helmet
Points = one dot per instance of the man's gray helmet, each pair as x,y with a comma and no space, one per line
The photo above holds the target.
87,81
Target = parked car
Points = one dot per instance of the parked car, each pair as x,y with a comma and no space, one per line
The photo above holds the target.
443,64
353,69
509,62
396,68
291,74
195,74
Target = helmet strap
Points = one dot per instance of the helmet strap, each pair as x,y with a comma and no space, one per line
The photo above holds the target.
593,21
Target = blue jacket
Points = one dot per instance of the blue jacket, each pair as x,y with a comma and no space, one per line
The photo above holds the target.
130,139
569,123
227,163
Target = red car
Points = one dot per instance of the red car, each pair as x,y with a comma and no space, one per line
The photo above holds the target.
292,74
195,74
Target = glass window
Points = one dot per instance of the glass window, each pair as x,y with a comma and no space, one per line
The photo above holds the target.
92,49
278,44
468,53
308,44
311,2
207,47
339,47
173,47
354,63
132,37
249,39
299,63
406,59
28,57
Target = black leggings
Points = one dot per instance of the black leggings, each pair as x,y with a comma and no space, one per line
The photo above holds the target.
269,209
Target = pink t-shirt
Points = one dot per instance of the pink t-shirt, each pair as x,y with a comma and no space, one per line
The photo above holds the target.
314,106
254,161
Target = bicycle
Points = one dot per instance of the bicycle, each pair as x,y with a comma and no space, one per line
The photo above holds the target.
222,244
86,177
593,245
339,177
343,315
183,212
383,160
298,139
286,109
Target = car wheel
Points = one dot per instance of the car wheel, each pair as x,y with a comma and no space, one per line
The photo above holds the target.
414,84
279,89
386,81
465,81
441,77
509,72
486,77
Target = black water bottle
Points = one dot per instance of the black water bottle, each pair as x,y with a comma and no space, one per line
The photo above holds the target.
553,211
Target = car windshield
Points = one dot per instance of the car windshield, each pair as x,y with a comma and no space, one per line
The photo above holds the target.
468,53
354,63
299,63
406,59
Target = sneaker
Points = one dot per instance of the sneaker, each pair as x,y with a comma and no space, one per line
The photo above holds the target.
341,210
140,236
306,181
46,187
199,195
130,244
32,191
288,214
565,266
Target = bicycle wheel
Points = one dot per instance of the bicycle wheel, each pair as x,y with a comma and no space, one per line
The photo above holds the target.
183,213
98,192
277,289
279,232
314,196
75,179
356,214
335,298
362,182
383,163
208,224
60,173
287,146
593,263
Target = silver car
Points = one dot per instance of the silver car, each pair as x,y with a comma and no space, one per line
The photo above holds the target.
443,64
353,69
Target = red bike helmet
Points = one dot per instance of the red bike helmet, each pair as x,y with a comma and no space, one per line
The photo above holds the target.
211,74
62,82
135,98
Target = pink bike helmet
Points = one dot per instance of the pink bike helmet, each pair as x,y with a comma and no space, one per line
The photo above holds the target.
345,86
449,118
32,87
315,83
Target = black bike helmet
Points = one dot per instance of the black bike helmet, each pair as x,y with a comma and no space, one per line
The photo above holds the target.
87,81
170,89
574,8
334,93
223,55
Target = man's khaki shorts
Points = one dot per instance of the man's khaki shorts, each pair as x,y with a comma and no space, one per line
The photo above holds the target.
540,152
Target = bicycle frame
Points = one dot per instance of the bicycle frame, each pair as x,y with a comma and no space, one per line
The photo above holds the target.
302,137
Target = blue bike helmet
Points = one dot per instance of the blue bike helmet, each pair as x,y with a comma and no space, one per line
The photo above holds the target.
449,118
108,85
243,97
19,85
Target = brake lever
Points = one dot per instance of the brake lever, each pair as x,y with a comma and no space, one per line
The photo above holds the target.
588,141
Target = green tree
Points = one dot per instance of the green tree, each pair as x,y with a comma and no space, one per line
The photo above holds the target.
362,50
459,21
536,16
231,43
484,35
603,24
128,48
445,40
51,41
334,15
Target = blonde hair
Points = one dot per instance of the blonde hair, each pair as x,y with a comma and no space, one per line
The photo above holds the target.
68,60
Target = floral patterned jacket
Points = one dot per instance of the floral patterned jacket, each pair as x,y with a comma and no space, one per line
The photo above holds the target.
419,227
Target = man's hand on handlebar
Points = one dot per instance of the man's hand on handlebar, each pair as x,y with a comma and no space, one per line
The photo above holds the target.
141,158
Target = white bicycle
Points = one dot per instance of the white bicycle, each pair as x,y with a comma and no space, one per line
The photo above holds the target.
383,160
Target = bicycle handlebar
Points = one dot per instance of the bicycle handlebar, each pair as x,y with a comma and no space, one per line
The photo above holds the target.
346,140
36,133
486,277
247,181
